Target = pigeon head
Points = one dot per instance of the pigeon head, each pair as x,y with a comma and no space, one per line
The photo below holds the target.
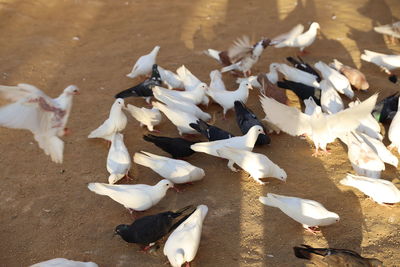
72,90
265,42
119,102
332,218
279,173
165,184
113,178
315,25
121,229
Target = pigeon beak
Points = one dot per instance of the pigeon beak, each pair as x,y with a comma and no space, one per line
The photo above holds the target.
250,87
77,93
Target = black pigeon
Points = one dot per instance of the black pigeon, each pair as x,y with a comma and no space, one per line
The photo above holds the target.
393,78
177,147
149,229
303,66
332,257
143,89
246,119
301,90
212,133
386,108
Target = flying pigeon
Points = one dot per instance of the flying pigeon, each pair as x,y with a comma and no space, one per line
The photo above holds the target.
137,197
245,142
309,213
331,102
183,243
144,64
339,81
257,165
295,38
61,262
295,75
118,159
386,109
302,91
212,133
394,131
147,117
368,125
246,119
322,129
116,122
386,62
149,229
45,117
304,66
334,257
355,77
177,171
143,89
295,31
176,147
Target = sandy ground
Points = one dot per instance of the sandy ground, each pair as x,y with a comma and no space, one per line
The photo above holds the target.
46,209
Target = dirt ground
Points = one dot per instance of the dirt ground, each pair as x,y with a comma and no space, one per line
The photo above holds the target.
48,212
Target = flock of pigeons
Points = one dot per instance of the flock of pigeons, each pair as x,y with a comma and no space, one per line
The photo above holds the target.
325,119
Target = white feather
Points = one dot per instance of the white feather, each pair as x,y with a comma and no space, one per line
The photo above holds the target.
144,64
148,117
61,262
118,159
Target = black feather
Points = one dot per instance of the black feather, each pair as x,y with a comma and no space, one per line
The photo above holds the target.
303,66
212,133
385,109
301,90
176,147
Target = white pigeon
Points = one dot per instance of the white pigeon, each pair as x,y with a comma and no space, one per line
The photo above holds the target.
61,262
148,117
178,103
252,80
195,96
362,157
301,40
331,102
272,75
380,149
137,197
293,74
170,79
257,165
177,171
389,29
381,191
179,118
183,243
385,62
118,159
310,106
226,99
116,122
321,128
394,131
308,212
368,125
294,32
338,80
216,82
45,117
190,81
144,64
245,142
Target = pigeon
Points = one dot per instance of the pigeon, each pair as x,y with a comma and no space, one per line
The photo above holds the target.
386,109
137,197
144,64
177,171
362,157
257,165
45,117
302,91
61,262
183,243
216,82
179,118
295,75
295,31
309,213
355,77
303,66
331,102
392,30
212,133
333,257
190,81
380,149
310,106
116,122
177,103
322,129
220,56
270,89
176,147
244,55
299,39
118,159
394,131
149,229
368,125
273,75
339,81
381,191
245,142
143,89
170,79
246,119
147,117
195,96
227,99
386,62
